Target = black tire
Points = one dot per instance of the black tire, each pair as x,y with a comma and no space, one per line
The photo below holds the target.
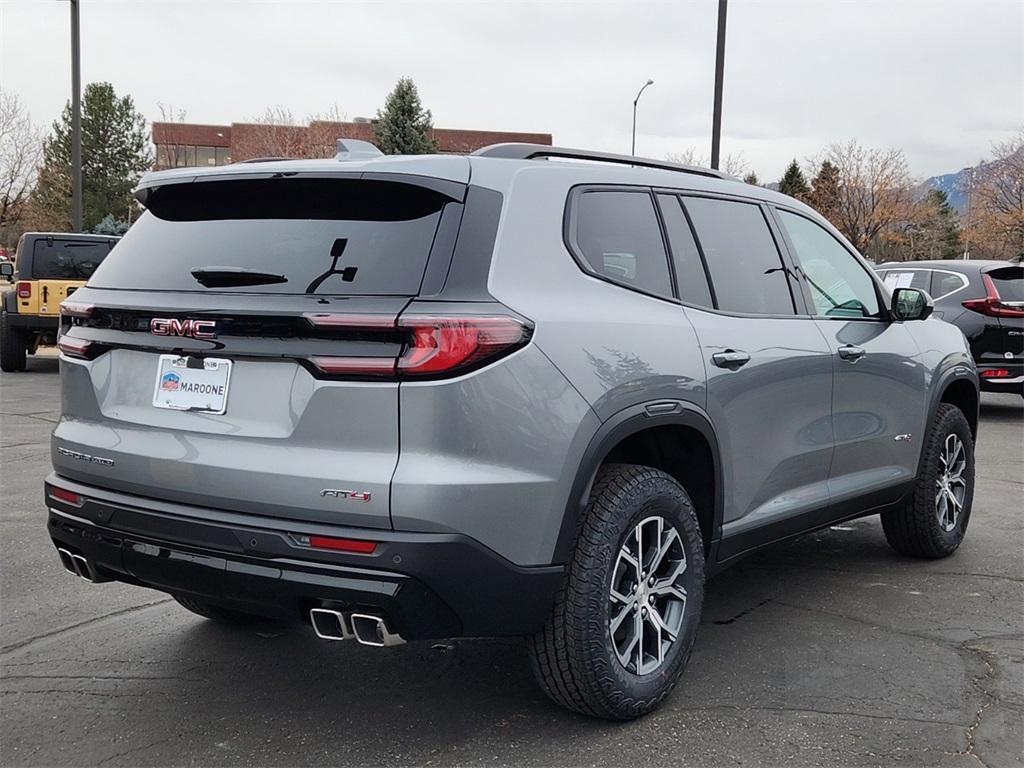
915,529
574,657
13,346
216,612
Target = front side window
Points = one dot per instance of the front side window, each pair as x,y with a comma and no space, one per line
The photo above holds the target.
746,269
618,235
839,285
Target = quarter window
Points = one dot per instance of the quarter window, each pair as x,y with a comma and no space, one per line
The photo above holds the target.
745,266
839,285
618,234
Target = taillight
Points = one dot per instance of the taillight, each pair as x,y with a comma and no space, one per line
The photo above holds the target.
993,305
77,348
24,290
432,345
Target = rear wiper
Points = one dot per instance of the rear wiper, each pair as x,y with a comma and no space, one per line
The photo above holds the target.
228,277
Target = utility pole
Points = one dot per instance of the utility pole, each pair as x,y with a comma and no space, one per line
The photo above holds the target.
716,121
76,122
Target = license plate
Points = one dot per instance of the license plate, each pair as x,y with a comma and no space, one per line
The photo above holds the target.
192,384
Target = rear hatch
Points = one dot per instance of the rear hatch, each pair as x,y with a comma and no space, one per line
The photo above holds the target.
237,349
58,267
1001,354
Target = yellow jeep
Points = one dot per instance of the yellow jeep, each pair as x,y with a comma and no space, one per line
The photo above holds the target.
47,268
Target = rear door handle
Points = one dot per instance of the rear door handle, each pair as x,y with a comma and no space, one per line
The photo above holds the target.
730,359
851,353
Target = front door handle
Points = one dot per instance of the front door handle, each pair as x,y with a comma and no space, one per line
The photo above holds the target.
851,353
730,359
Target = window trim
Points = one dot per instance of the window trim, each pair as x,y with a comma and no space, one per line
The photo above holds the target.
569,219
796,293
672,256
885,315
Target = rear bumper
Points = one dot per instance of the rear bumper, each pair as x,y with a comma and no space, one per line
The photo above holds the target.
1012,383
427,585
33,322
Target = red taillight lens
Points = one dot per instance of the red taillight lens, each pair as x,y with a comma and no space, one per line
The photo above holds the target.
993,305
334,544
77,348
67,496
435,344
994,373
76,309
24,290
451,344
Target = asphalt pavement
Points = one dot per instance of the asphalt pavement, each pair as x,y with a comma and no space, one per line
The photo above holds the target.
829,650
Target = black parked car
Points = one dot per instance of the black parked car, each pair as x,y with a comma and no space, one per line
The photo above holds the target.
985,300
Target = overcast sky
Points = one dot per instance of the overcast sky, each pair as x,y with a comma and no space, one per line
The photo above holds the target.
942,80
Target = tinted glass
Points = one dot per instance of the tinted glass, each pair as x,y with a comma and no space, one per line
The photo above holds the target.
944,283
619,236
1009,281
907,278
324,236
744,262
66,259
839,285
690,276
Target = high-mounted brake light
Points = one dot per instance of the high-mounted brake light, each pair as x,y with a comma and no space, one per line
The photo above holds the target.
76,309
993,305
77,348
69,497
24,290
436,344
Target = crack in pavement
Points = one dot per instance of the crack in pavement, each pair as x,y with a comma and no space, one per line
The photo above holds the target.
814,711
23,646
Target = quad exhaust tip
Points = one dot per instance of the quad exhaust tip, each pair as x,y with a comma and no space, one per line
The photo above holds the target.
77,565
364,628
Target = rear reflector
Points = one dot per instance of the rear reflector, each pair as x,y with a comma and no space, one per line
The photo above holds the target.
67,496
24,290
356,546
995,373
77,348
993,305
76,309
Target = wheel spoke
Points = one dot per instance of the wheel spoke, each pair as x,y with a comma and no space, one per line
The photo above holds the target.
618,597
617,621
663,626
666,545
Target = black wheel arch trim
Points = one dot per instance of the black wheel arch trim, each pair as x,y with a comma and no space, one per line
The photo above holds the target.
945,377
630,421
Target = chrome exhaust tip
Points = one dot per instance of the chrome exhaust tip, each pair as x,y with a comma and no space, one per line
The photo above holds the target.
330,625
84,569
67,560
373,631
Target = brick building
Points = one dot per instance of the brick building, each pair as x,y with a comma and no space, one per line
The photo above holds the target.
191,144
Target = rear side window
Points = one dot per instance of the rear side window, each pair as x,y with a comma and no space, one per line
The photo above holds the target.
58,259
944,283
618,235
346,237
1009,281
690,276
746,269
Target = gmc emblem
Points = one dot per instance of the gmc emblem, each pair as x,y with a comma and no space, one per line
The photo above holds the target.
197,329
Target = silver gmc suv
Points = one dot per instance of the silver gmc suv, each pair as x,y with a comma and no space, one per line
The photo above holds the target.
530,391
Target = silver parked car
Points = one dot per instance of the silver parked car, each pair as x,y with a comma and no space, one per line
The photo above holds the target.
509,393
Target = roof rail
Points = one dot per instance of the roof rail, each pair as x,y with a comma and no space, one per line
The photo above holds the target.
514,151
262,160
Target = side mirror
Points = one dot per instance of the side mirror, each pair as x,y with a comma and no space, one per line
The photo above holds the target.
6,270
911,304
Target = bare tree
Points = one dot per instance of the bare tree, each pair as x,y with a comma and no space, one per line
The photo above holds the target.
996,226
875,192
172,151
734,165
21,148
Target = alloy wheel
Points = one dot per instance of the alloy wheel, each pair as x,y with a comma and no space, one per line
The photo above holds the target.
950,484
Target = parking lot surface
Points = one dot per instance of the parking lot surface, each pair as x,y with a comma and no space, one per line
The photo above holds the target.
827,650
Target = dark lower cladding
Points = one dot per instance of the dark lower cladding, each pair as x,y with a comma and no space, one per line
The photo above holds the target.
427,585
33,322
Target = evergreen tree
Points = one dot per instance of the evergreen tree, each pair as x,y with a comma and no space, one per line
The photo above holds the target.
793,182
111,225
115,153
751,178
404,126
824,194
937,233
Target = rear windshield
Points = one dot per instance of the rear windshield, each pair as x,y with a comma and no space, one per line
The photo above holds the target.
1009,281
57,259
318,236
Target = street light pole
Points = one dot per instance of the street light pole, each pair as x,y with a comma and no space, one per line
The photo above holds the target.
632,148
967,229
76,123
716,120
